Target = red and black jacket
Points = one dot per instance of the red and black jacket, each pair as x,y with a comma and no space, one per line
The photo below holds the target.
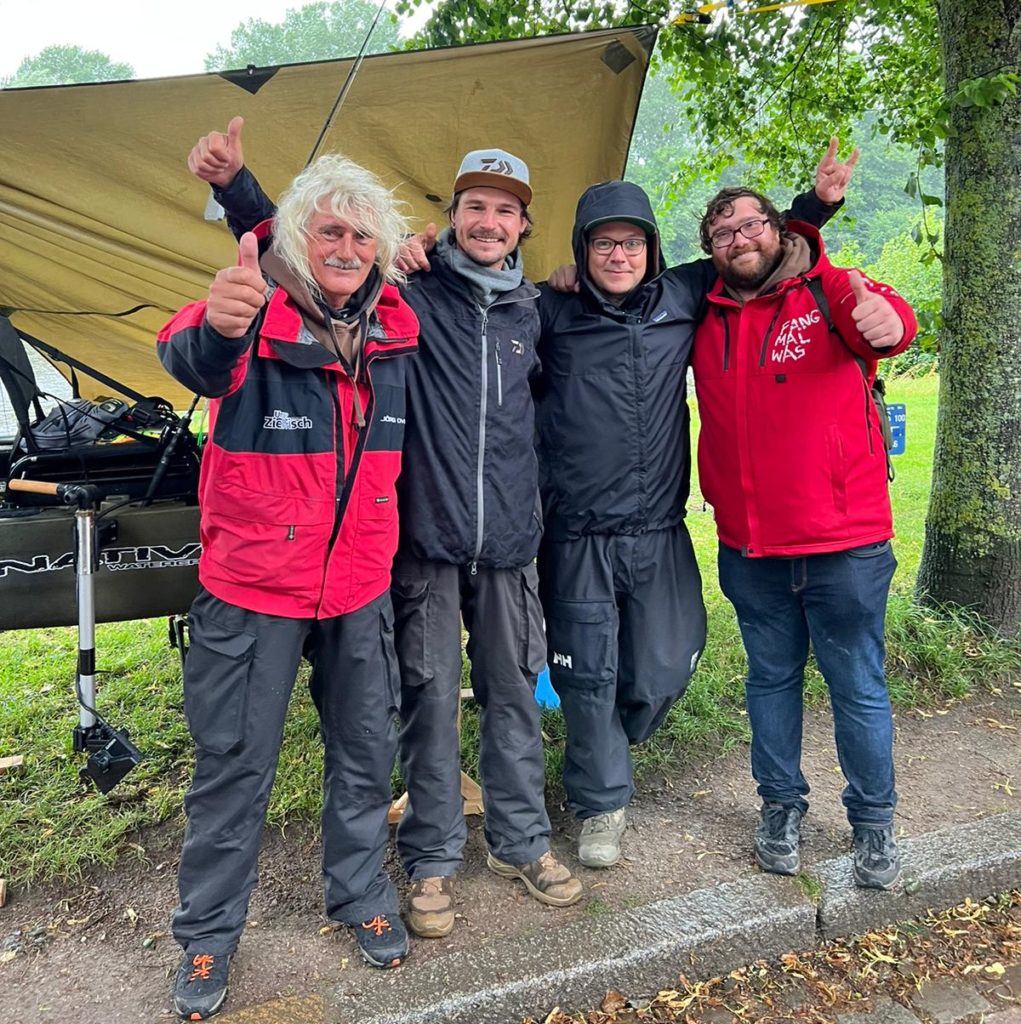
791,453
299,510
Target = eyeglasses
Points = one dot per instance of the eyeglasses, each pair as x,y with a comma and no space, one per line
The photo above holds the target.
750,229
629,246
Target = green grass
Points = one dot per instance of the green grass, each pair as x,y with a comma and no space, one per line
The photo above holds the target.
53,826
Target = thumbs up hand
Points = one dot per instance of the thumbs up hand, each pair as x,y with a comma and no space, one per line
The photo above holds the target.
237,293
874,315
415,250
217,157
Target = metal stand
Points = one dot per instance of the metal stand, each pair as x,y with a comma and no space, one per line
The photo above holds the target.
111,754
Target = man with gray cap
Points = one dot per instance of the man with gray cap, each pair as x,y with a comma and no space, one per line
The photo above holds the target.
470,529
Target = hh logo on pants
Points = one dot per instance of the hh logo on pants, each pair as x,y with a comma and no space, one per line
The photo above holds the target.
561,659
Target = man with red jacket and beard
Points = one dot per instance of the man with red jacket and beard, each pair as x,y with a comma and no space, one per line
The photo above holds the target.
793,461
302,348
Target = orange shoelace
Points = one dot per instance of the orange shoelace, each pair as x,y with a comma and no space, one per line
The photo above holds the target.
378,924
203,964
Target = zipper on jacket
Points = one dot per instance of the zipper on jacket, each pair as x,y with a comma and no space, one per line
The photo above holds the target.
290,533
483,409
868,416
479,485
722,313
769,331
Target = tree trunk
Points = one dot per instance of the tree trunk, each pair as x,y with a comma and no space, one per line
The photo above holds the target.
972,553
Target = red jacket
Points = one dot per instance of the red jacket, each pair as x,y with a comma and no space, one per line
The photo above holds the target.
299,513
791,453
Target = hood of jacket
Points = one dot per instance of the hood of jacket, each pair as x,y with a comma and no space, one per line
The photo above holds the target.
613,201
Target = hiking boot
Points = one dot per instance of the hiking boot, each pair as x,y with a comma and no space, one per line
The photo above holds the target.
431,907
599,842
201,985
777,839
876,857
546,879
382,941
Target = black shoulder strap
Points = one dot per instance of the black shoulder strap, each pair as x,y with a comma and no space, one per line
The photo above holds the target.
815,287
878,387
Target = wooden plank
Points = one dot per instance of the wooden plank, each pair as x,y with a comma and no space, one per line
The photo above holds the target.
3,892
11,765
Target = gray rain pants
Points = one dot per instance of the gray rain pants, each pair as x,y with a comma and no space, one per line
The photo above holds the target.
238,678
500,609
625,627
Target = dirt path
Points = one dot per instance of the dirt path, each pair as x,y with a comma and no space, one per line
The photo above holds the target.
98,952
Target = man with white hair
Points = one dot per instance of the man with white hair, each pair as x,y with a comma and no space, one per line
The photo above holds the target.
470,528
301,348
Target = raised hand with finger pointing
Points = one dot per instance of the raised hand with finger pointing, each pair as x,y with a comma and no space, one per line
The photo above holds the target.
831,176
237,293
874,315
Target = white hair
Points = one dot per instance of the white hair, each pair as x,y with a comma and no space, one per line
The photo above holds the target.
338,186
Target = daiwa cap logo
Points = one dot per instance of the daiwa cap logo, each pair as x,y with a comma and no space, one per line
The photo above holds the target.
494,165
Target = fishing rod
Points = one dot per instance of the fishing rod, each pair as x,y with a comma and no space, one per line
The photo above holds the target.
346,87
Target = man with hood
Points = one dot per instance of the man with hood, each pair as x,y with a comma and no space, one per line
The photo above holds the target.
470,527
620,587
793,461
302,348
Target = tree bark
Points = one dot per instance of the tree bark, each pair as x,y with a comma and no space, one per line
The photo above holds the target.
972,553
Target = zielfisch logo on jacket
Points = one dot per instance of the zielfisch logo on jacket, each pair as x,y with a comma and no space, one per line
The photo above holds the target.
281,420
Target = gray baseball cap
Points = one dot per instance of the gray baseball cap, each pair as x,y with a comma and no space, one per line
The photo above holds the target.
494,168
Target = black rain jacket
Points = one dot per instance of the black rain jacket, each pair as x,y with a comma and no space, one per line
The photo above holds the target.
612,416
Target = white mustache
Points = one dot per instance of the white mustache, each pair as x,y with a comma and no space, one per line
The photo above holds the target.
339,264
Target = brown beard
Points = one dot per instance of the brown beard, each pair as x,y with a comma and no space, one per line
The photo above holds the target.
752,279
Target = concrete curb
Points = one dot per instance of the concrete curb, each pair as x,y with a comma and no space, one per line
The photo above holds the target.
641,951
940,870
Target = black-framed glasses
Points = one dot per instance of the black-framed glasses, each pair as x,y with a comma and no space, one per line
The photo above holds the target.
629,246
750,229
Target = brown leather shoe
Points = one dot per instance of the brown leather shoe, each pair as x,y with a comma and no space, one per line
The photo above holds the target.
546,879
431,907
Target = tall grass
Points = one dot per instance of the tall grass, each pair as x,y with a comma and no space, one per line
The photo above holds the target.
53,826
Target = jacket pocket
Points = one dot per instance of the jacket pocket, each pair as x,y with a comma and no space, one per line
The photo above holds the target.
412,629
532,637
392,669
216,681
838,469
580,647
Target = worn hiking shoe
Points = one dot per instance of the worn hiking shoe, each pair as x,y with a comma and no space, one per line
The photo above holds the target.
777,839
201,985
599,842
431,907
546,879
383,941
876,857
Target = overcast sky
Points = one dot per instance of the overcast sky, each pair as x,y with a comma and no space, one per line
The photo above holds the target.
168,37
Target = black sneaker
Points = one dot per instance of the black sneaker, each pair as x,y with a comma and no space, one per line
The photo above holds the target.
777,839
383,941
876,857
201,985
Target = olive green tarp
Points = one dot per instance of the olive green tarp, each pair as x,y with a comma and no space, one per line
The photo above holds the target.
98,212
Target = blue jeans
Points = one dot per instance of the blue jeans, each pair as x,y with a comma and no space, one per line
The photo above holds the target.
838,601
